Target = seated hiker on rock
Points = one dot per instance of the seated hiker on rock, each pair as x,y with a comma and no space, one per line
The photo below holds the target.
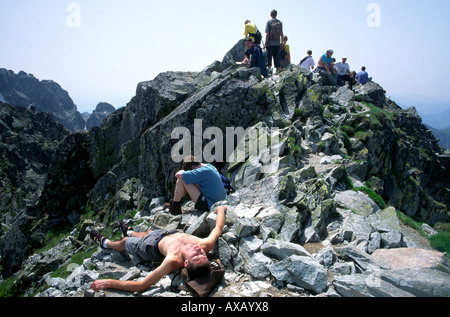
202,182
307,61
363,76
255,56
343,73
326,69
173,249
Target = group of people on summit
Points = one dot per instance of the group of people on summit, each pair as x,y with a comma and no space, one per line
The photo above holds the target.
279,55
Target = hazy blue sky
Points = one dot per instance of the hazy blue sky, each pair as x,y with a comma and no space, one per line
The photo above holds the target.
100,50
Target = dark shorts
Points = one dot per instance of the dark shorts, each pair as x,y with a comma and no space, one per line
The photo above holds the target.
146,249
202,203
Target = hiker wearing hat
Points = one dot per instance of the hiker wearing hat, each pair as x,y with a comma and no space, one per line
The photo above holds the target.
175,249
343,72
326,69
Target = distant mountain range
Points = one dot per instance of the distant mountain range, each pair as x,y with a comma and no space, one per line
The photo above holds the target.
435,115
442,134
24,90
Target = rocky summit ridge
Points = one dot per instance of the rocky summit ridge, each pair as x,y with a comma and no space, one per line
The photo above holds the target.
320,219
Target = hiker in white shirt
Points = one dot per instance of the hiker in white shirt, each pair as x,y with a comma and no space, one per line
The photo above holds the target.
343,72
307,61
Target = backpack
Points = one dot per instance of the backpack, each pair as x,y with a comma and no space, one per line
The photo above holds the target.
257,36
203,285
275,30
226,183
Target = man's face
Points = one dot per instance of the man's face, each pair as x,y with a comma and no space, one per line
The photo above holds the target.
196,254
329,54
248,44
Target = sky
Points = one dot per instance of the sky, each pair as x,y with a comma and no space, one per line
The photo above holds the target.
100,50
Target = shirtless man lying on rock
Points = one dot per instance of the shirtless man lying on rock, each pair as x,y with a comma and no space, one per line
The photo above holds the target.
173,249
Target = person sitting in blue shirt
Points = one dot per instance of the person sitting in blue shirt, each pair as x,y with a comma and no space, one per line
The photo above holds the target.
202,182
325,67
362,76
255,56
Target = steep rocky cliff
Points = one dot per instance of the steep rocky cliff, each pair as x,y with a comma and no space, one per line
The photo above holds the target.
315,219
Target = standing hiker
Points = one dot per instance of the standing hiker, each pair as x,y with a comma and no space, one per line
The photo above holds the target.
274,40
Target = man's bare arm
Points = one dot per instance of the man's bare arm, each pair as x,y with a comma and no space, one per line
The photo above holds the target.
179,174
166,267
210,241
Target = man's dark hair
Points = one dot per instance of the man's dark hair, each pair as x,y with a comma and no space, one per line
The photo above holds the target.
274,13
197,270
189,163
248,39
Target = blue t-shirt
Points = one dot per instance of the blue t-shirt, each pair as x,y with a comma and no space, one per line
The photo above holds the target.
327,60
210,182
363,77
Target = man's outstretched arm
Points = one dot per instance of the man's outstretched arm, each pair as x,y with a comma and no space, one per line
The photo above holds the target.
166,267
210,241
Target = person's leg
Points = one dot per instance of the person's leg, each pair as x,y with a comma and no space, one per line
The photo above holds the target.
269,56
135,234
277,57
118,246
181,189
339,80
333,79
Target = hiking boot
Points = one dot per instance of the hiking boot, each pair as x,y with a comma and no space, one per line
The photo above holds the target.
97,237
124,229
175,208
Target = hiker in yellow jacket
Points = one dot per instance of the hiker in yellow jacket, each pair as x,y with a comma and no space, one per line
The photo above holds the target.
252,31
285,55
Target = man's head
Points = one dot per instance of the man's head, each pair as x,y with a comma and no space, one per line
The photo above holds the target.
247,22
196,263
190,163
363,68
274,14
309,52
330,52
344,59
248,43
